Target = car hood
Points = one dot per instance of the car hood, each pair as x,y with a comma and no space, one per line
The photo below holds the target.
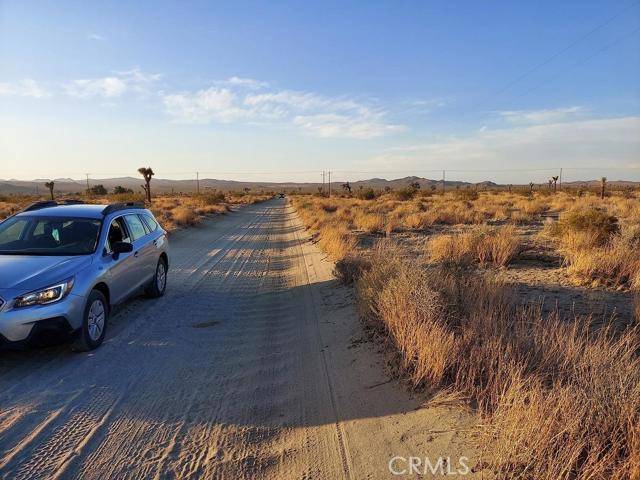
30,272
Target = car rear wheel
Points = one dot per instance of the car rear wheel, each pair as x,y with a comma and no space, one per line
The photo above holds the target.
158,285
94,324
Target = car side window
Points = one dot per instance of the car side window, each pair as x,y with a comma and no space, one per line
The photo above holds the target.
135,226
14,232
150,221
117,233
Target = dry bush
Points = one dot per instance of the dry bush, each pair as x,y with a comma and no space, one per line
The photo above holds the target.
351,267
561,400
484,245
593,221
184,216
596,249
369,222
329,207
209,198
337,241
417,221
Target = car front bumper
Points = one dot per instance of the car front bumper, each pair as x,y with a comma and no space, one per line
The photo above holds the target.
23,324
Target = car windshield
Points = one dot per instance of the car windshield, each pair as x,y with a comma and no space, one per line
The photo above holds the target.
35,235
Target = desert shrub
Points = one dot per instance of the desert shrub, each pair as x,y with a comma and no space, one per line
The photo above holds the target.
127,197
184,216
466,194
369,222
329,207
484,245
404,194
560,399
212,198
617,263
594,221
350,268
366,194
417,221
337,241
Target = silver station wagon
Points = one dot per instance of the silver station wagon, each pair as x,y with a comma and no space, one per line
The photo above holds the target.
64,266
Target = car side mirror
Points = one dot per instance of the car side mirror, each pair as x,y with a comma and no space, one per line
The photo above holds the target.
122,247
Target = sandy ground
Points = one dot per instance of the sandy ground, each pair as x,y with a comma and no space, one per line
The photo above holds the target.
253,365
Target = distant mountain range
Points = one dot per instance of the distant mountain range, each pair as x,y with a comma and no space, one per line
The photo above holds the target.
69,185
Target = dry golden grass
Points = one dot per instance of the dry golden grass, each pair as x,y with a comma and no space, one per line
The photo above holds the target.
597,249
484,245
561,400
172,211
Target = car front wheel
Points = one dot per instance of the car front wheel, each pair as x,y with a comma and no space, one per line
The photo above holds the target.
94,324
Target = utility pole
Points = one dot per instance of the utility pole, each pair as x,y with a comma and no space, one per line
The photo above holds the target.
443,178
323,183
87,181
329,183
198,182
560,178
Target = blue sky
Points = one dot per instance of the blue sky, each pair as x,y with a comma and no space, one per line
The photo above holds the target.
283,90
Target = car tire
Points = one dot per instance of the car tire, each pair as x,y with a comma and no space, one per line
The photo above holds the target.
94,323
158,285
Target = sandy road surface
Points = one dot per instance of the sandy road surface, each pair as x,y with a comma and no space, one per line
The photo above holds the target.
251,366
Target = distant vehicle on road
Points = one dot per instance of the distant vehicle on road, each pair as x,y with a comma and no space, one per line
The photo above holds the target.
64,266
281,195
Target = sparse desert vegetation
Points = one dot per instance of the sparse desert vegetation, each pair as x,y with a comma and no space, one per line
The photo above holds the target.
486,296
172,211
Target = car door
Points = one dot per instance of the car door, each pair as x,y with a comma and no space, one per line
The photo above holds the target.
122,268
142,247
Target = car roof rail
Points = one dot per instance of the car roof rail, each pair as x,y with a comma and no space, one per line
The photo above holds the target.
114,207
40,205
73,201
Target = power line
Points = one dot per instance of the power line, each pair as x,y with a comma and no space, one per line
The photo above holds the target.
579,63
564,49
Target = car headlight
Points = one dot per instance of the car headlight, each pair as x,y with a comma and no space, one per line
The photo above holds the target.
46,295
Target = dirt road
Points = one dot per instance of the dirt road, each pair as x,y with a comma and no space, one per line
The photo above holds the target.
253,365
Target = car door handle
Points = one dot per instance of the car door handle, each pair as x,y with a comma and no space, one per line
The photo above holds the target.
136,254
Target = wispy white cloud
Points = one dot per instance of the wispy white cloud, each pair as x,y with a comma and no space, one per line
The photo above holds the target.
97,37
331,125
112,86
610,142
318,115
204,106
542,116
24,88
249,83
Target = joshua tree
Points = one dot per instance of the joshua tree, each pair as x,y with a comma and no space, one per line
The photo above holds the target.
531,184
603,186
346,186
50,185
555,184
246,189
415,185
146,173
387,189
320,190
